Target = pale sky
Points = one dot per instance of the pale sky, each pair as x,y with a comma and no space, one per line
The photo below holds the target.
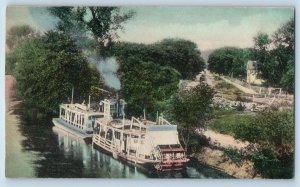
208,27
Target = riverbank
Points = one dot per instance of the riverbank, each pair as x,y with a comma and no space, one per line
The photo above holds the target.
214,156
17,162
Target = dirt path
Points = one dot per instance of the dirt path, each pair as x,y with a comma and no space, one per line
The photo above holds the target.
242,88
223,140
210,80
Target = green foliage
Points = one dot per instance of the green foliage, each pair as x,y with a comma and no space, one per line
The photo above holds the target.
150,73
191,110
147,85
271,127
229,91
234,155
261,41
47,67
182,55
229,122
229,61
273,134
102,23
196,143
179,54
15,37
274,165
17,34
276,56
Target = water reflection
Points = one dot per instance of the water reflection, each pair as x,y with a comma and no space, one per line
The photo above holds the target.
59,154
94,162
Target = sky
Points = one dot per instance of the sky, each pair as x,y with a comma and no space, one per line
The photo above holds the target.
208,27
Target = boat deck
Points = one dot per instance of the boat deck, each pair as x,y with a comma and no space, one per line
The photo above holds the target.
79,108
128,128
69,128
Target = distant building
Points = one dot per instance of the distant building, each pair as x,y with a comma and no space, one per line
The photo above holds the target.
253,73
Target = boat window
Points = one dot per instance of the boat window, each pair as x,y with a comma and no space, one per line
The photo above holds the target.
62,112
117,135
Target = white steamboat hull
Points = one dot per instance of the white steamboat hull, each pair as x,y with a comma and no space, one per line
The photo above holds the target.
70,128
155,164
118,155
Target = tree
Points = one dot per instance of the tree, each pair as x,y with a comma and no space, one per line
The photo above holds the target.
229,61
262,43
100,23
182,55
276,56
150,73
191,110
179,54
47,67
16,36
147,85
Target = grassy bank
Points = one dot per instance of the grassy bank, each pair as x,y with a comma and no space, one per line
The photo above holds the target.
229,121
271,135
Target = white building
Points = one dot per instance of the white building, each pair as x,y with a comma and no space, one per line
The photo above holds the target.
253,73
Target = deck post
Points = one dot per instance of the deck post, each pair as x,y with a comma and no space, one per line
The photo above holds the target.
72,95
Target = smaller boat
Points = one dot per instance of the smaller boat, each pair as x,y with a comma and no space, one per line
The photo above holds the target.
78,119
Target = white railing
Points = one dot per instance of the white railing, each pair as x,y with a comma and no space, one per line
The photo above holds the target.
163,121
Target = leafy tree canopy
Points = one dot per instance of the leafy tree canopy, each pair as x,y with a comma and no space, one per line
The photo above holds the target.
229,61
180,54
99,23
47,67
276,56
191,110
150,73
147,85
17,34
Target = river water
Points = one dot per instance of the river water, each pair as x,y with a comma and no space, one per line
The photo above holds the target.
34,148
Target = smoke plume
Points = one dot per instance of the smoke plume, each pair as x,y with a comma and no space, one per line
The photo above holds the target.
108,68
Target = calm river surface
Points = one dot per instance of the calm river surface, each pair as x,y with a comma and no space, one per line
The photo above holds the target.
34,148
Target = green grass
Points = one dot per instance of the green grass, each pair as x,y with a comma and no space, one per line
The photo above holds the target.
224,86
228,91
228,122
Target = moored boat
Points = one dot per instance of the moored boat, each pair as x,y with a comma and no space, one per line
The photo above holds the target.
78,119
139,141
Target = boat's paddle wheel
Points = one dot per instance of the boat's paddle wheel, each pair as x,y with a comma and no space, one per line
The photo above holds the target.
172,157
